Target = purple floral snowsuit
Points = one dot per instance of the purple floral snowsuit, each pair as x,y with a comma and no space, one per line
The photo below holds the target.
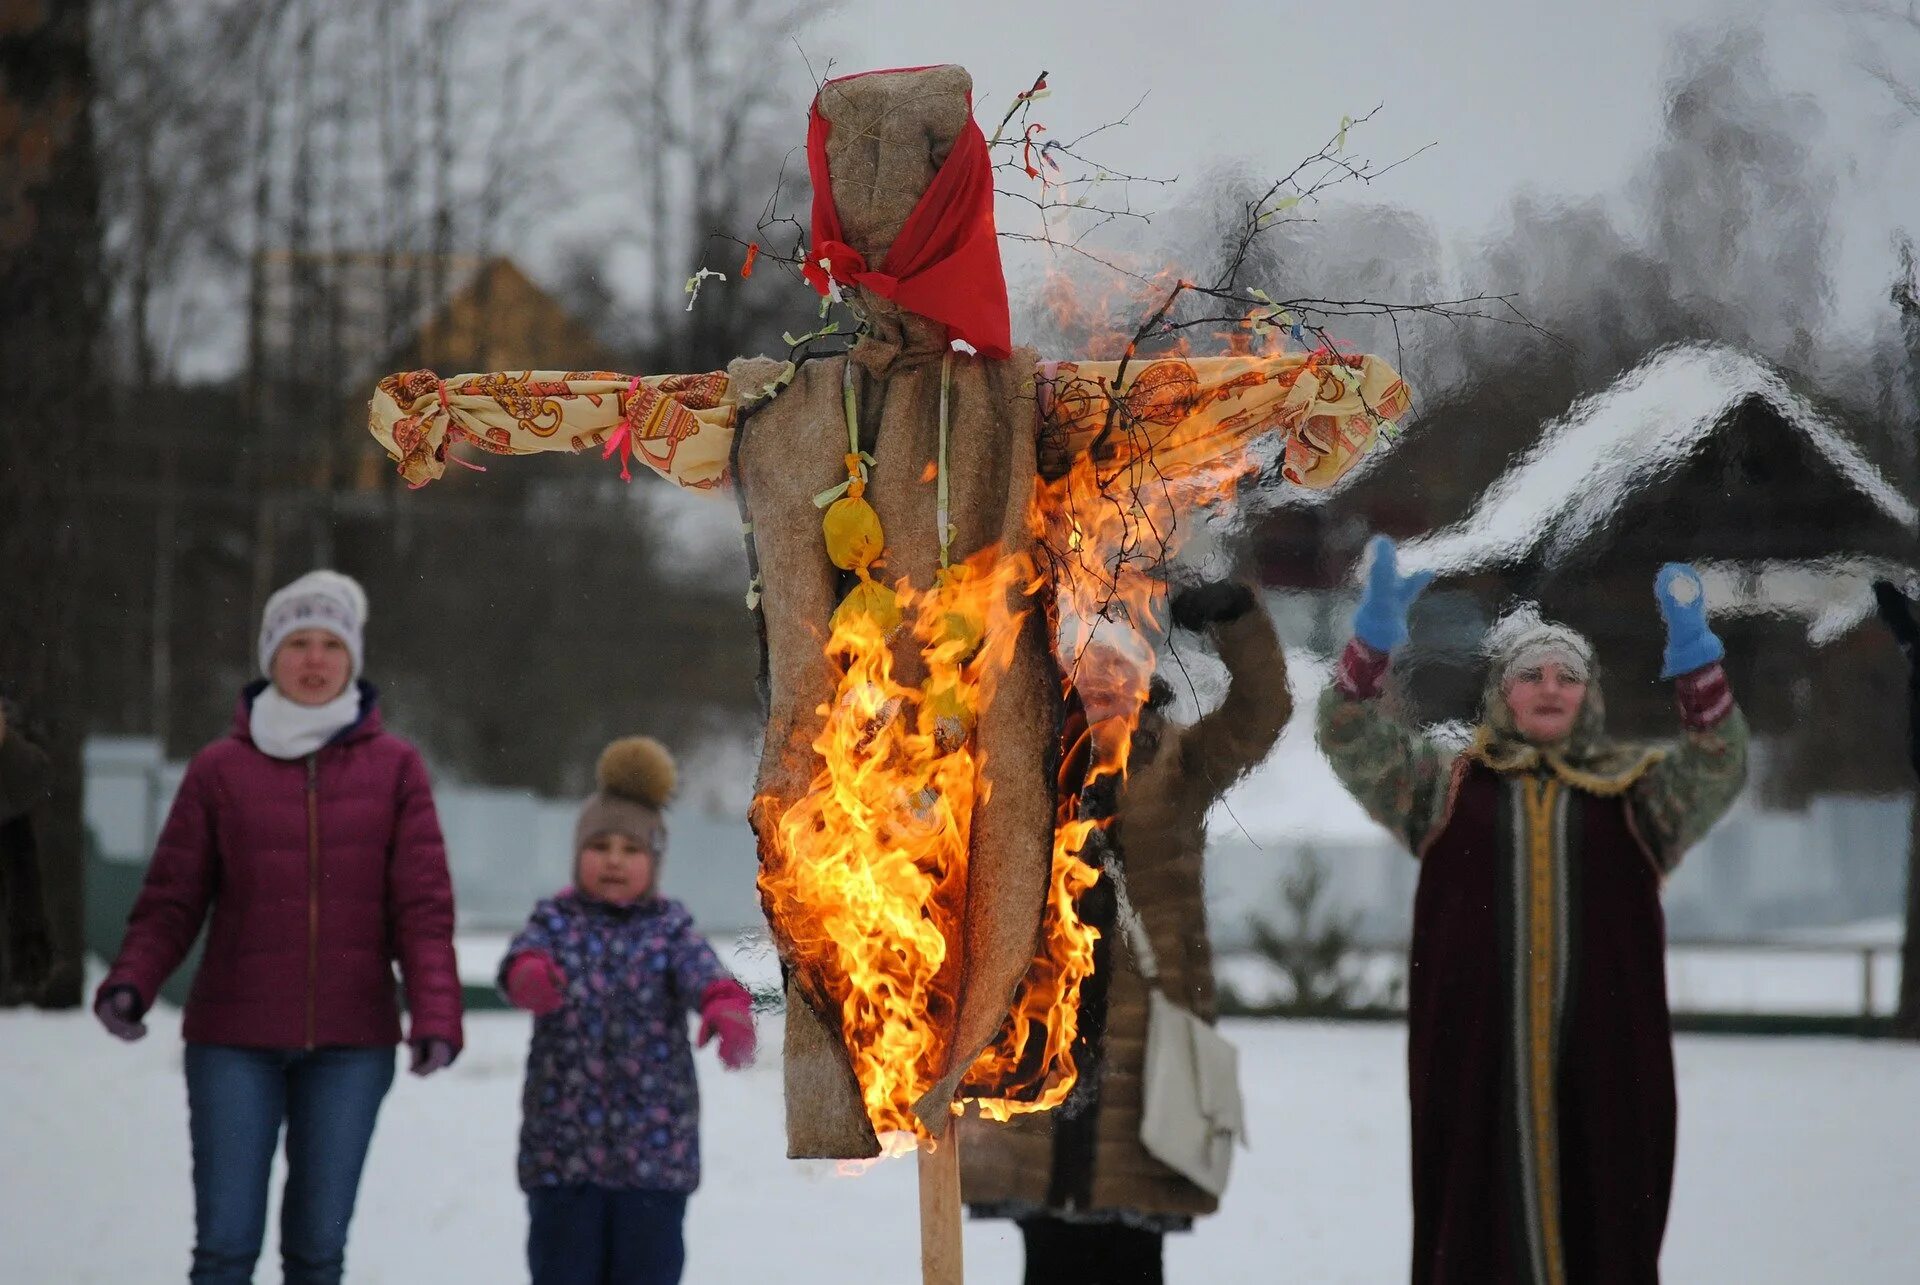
610,1098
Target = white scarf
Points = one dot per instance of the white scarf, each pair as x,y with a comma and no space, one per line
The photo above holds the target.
286,729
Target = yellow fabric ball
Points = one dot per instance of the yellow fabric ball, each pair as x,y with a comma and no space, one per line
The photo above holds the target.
947,714
965,626
854,537
872,599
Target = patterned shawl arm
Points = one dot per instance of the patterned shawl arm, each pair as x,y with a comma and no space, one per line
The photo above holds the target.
681,426
1192,416
1400,777
1196,415
1681,796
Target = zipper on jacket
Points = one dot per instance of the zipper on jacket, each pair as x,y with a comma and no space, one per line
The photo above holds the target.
313,898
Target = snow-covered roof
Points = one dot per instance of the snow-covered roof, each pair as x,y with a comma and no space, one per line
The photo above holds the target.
1590,460
1832,596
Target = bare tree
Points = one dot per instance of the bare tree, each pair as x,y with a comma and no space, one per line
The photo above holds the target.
703,101
49,278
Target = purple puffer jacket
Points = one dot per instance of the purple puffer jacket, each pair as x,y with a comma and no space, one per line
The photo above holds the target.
610,1098
321,873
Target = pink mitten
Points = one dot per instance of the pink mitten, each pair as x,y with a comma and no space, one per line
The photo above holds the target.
535,983
727,1011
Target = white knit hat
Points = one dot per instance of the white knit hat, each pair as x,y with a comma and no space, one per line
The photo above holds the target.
318,600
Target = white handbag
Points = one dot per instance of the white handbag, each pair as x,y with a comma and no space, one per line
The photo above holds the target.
1192,1113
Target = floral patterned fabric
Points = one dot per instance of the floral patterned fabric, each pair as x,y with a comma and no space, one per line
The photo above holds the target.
1328,410
610,1098
681,426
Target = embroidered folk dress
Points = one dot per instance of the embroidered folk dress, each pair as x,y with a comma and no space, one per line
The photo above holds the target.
1540,1061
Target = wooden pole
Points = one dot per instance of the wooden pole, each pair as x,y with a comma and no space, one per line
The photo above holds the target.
940,1262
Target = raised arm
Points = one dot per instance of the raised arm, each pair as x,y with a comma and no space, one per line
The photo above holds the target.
1232,739
681,426
1680,798
1399,776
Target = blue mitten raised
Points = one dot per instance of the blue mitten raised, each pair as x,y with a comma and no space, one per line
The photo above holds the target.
1683,605
1381,621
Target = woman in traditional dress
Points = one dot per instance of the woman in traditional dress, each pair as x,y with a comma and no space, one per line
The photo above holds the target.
1540,1051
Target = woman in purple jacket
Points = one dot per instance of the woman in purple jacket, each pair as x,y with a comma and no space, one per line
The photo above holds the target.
310,834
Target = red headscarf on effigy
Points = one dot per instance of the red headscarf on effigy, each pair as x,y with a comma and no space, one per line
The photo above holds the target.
945,264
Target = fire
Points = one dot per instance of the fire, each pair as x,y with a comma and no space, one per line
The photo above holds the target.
870,876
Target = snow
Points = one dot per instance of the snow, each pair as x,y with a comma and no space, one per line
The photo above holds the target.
1589,460
1805,981
1799,1161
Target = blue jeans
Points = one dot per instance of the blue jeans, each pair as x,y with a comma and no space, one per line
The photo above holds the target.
603,1236
237,1100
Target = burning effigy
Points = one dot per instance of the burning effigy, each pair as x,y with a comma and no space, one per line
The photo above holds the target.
947,537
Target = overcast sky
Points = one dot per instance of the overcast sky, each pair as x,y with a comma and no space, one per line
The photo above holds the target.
1547,98
1559,99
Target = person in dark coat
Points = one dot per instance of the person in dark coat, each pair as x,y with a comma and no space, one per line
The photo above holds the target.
1092,1203
26,955
1540,1048
1896,612
310,835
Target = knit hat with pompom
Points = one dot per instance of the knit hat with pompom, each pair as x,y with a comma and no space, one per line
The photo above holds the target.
637,777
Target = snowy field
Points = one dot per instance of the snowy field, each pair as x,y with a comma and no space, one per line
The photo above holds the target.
1799,1163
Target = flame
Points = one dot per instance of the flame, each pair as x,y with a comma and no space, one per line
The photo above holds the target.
868,876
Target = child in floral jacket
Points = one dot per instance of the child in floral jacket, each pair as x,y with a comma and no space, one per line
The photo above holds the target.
610,1132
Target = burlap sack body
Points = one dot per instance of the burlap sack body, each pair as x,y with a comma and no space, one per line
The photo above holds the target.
890,133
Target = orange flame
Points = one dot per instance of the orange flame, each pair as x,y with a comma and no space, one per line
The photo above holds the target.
869,874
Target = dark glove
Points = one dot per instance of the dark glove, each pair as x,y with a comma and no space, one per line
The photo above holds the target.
1897,612
1216,601
430,1056
119,1010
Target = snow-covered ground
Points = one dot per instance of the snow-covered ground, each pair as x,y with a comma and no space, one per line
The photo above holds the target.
1799,1163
